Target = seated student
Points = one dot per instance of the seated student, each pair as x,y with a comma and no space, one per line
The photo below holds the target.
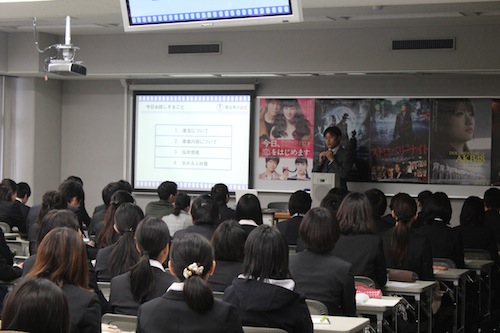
248,212
220,193
475,234
147,279
108,235
446,242
62,259
188,305
36,305
492,216
264,294
23,195
166,192
118,258
421,199
378,202
317,273
228,242
205,215
357,243
10,212
403,248
298,205
180,218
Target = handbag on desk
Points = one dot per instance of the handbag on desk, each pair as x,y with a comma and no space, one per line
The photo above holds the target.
401,275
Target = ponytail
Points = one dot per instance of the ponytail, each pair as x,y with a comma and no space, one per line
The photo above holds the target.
197,293
142,280
124,254
404,209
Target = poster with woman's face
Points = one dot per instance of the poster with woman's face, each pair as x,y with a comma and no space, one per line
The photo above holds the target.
460,141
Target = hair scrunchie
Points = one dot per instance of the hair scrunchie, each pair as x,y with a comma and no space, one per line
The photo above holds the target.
192,269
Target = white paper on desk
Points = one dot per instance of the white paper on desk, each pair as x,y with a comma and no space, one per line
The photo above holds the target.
382,302
467,261
320,320
397,284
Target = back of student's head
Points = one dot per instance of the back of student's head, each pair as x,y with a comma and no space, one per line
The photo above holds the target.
299,202
423,196
248,207
57,218
204,210
492,198
51,200
404,209
182,201
437,208
472,211
266,254
109,189
319,230
70,189
62,258
36,305
355,214
191,259
152,237
124,254
377,200
228,241
105,236
166,189
333,199
8,189
23,189
220,193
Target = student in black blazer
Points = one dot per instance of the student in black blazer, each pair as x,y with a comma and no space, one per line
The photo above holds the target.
357,243
228,242
317,273
62,258
220,193
189,305
403,248
147,279
249,212
205,217
298,205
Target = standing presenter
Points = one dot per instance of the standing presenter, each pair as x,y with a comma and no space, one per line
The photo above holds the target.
335,159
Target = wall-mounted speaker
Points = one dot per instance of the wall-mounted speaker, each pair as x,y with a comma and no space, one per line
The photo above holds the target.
321,183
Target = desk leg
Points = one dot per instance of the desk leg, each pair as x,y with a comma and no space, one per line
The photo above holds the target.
478,276
380,319
488,304
462,305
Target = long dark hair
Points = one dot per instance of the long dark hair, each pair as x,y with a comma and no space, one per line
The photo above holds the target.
105,237
248,207
188,251
124,254
472,212
405,210
36,305
152,236
301,123
355,214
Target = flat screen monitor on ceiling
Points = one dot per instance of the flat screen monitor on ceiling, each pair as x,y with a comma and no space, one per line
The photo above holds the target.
151,15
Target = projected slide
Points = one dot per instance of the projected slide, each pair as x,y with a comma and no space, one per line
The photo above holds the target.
193,140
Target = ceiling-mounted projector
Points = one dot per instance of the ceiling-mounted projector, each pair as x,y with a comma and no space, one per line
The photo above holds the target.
63,63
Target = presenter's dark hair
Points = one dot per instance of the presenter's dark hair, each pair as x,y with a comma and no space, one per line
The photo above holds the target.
188,249
220,193
248,207
36,305
405,210
23,189
182,201
55,219
152,236
105,236
333,131
124,254
299,202
166,189
355,214
333,199
228,241
492,198
266,254
437,207
472,211
204,210
319,230
377,200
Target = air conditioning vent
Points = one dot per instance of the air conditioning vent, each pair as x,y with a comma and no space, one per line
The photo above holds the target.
195,49
424,44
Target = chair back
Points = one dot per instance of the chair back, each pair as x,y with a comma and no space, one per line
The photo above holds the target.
218,294
123,322
292,249
18,247
5,227
445,262
364,280
254,329
280,206
480,254
105,288
316,307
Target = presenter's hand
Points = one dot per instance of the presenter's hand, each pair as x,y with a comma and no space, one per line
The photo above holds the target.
328,154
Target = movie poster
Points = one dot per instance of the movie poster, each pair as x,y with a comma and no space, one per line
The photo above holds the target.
460,141
351,116
285,138
399,140
495,141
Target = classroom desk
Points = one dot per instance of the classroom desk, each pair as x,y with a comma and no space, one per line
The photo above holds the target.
414,289
479,266
11,235
457,277
378,307
339,324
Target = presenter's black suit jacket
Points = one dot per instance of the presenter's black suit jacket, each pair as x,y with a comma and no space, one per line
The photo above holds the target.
366,254
341,165
170,313
121,298
84,309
